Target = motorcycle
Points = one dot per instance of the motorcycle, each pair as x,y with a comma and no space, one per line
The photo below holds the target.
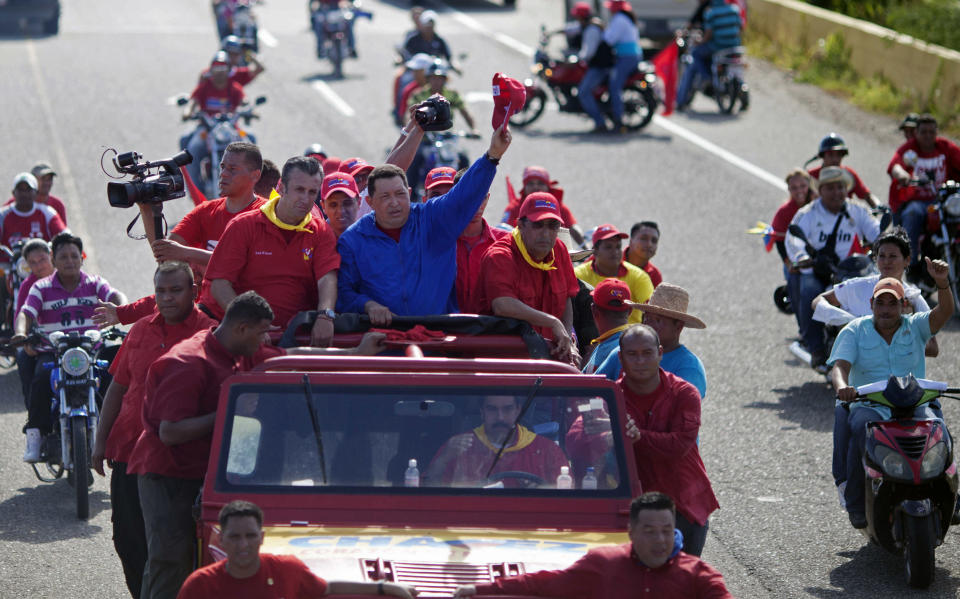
14,270
333,28
75,382
235,17
219,131
726,84
911,475
940,238
439,148
562,78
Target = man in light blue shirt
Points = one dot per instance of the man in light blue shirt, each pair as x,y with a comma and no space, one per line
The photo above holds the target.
873,348
666,312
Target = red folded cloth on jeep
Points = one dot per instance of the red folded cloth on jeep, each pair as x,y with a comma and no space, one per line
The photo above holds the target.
417,333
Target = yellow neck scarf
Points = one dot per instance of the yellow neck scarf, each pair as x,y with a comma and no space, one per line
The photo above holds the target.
270,211
525,437
609,333
526,255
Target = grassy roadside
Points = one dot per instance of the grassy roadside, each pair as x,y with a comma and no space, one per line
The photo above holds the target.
828,66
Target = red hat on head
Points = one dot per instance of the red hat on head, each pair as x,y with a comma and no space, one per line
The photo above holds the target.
581,10
442,175
618,6
331,164
536,172
355,166
339,181
606,232
540,206
612,294
509,96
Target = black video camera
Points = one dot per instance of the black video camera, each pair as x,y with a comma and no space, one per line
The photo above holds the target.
433,114
146,187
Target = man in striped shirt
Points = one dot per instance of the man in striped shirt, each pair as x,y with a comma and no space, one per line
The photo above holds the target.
721,29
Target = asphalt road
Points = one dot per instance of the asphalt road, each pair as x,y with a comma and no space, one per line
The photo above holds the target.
106,82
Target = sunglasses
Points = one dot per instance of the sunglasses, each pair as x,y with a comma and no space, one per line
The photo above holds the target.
553,225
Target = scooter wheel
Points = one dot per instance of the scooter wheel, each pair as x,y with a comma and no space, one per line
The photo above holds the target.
782,299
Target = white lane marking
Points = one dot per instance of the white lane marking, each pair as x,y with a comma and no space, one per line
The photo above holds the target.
663,122
504,39
78,221
716,150
339,103
267,38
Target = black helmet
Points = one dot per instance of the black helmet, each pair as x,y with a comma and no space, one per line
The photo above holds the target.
832,142
315,150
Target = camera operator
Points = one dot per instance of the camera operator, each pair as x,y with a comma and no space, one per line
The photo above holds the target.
197,233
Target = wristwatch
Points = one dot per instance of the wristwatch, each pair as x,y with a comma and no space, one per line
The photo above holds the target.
328,314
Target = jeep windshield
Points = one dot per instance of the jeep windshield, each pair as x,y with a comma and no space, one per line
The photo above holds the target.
368,434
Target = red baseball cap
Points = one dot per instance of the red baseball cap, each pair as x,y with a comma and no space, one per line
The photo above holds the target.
606,232
355,166
618,6
339,181
540,206
509,96
442,175
581,10
536,172
612,294
331,164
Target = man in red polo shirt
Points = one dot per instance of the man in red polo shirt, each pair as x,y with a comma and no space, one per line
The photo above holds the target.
340,200
44,174
471,247
197,233
282,252
663,420
176,319
536,178
26,217
529,276
179,410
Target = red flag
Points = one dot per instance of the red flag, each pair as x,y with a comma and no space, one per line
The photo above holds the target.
665,63
195,194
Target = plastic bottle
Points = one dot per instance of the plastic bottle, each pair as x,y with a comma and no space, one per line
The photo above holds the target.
411,478
589,479
564,481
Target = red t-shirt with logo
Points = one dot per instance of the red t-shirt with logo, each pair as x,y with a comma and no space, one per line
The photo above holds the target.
185,383
943,163
279,577
214,100
52,201
148,339
505,273
203,226
254,253
41,221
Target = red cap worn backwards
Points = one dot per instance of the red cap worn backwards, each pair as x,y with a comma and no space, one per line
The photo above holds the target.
540,206
612,294
509,96
606,232
442,175
355,166
339,182
331,164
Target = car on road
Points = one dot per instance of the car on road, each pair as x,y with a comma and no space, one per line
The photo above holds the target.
23,15
324,446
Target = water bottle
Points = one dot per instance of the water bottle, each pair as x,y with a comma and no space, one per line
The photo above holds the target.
589,479
564,481
411,478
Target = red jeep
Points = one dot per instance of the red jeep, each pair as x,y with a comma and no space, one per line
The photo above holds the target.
323,445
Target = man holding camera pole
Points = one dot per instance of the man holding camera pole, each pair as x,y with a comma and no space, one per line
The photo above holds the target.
197,233
402,259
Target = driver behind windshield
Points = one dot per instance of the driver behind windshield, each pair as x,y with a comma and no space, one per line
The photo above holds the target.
465,458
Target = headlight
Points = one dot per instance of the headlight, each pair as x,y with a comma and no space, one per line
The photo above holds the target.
75,361
935,459
892,463
952,205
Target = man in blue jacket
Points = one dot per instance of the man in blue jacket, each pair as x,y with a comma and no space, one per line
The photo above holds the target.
401,259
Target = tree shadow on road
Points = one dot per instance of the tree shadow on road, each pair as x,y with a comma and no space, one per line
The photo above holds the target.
583,136
47,512
810,405
329,77
872,568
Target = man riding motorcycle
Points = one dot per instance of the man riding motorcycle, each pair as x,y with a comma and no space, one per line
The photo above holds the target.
722,25
831,151
318,12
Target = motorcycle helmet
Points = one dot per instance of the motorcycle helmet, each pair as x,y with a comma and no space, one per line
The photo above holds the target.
231,43
220,58
439,68
581,10
317,151
832,142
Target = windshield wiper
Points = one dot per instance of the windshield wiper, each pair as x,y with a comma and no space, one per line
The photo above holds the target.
308,394
523,410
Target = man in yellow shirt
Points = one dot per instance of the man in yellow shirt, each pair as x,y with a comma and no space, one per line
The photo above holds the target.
608,263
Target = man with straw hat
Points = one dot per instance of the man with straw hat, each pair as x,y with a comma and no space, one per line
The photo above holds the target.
666,313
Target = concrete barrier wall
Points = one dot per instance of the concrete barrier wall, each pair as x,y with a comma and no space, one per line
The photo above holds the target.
919,68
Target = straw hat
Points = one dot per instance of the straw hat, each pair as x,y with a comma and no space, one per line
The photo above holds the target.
671,301
575,254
